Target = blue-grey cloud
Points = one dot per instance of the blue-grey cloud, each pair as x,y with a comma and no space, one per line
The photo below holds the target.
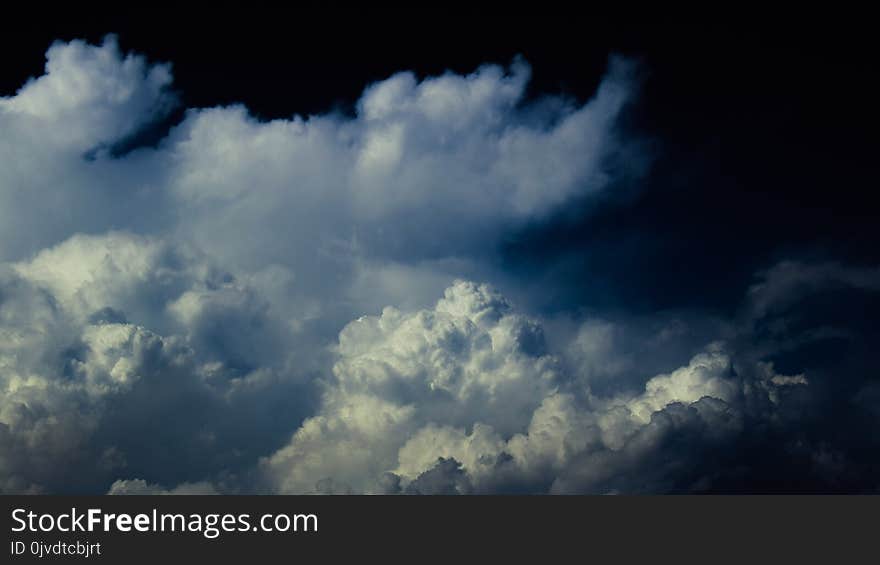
299,305
169,313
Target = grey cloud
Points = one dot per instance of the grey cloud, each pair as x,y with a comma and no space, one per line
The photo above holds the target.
789,281
446,477
141,487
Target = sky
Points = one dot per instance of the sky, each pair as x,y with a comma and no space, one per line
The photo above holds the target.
464,256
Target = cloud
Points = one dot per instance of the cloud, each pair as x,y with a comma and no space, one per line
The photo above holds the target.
789,281
86,385
426,170
465,397
56,174
212,311
141,487
161,306
99,94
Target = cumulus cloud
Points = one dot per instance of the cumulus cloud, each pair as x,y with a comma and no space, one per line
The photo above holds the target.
203,281
85,384
100,94
465,397
212,312
425,170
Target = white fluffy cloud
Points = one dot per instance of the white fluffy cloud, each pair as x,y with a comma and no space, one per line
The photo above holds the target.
471,381
425,171
101,337
99,94
399,372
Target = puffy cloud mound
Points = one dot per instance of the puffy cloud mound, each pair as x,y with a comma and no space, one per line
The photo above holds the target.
465,397
85,382
399,372
101,95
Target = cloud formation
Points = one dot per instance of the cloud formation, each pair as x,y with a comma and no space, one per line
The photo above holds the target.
252,306
465,397
203,281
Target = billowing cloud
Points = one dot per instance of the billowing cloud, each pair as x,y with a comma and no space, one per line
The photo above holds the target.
252,306
85,384
465,397
426,170
161,306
